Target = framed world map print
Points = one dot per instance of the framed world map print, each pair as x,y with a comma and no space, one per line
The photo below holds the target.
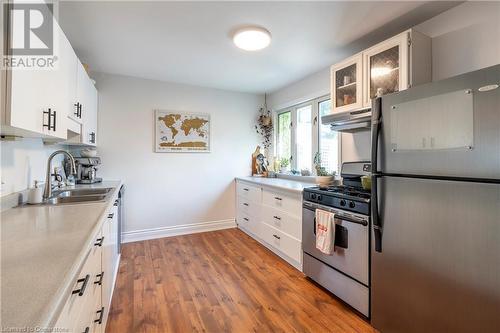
181,132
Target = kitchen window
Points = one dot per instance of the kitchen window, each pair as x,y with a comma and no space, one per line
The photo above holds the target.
300,135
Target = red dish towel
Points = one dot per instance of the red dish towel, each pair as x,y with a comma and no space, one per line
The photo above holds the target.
325,231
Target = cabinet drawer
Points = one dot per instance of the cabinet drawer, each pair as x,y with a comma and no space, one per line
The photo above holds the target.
77,303
282,221
247,222
250,192
248,207
281,241
285,202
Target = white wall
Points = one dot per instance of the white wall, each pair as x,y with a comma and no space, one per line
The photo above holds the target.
172,189
23,162
464,38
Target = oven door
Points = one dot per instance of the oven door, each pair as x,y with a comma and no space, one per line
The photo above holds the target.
351,241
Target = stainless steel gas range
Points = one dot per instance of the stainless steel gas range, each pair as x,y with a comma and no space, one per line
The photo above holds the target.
346,272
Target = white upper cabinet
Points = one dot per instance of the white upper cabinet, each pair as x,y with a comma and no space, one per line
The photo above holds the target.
36,102
390,66
347,87
87,101
46,102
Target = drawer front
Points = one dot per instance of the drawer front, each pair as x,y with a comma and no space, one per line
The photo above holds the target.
250,192
248,207
247,222
76,305
285,202
281,241
282,221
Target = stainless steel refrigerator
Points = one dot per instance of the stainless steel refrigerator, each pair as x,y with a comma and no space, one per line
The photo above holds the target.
435,257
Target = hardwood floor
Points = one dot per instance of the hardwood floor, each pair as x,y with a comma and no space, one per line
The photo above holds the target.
221,281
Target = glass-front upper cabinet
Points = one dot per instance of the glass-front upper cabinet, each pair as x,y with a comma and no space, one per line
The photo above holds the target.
346,84
386,68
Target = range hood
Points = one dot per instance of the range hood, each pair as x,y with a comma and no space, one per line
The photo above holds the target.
349,121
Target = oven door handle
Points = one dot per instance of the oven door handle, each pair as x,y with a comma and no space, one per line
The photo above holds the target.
314,225
349,219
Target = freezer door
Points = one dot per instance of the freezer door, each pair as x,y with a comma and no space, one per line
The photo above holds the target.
438,269
446,128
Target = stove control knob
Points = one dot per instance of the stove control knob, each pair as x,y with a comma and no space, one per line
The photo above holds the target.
343,203
319,196
352,204
313,196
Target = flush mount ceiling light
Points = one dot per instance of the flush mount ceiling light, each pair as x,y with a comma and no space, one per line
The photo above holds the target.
252,38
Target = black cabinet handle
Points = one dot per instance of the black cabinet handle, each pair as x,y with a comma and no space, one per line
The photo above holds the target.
276,236
245,204
116,203
245,189
110,216
100,276
278,198
49,119
54,124
99,241
101,314
246,219
78,112
277,217
86,329
80,291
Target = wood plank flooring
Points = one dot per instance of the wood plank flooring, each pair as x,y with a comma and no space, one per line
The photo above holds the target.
221,281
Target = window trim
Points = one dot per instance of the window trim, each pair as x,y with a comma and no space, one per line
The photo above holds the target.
315,121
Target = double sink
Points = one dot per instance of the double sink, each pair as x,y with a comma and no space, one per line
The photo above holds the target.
78,195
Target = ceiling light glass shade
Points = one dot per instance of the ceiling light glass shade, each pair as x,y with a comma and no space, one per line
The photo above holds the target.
252,39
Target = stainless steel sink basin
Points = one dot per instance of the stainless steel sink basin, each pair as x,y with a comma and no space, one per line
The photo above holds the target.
79,195
81,192
75,199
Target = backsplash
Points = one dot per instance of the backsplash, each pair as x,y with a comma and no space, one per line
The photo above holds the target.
22,162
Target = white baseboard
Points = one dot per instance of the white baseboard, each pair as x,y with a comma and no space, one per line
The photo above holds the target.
184,229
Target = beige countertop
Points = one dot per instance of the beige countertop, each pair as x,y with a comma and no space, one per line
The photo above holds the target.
278,183
42,250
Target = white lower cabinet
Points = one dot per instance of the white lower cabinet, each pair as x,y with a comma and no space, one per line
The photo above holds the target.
273,218
87,305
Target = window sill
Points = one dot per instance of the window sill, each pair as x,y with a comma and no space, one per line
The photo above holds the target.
299,178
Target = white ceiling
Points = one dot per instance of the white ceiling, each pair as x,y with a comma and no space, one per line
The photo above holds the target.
190,42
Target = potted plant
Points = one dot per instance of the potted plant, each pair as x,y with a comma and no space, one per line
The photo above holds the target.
323,177
284,163
264,126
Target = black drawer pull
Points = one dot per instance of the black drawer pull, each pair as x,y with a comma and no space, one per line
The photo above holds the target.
86,329
245,189
276,236
110,216
278,198
277,217
116,203
82,288
99,241
100,276
246,219
245,204
101,314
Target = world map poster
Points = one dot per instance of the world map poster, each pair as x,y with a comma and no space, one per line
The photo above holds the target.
182,132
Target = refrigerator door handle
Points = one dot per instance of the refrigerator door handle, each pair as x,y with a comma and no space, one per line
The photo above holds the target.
376,222
376,121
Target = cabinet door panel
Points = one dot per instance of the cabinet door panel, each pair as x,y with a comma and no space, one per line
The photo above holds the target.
386,68
346,83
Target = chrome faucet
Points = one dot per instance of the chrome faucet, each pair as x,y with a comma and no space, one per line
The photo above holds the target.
48,181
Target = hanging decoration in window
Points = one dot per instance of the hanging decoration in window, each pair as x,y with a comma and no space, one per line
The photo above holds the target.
264,126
